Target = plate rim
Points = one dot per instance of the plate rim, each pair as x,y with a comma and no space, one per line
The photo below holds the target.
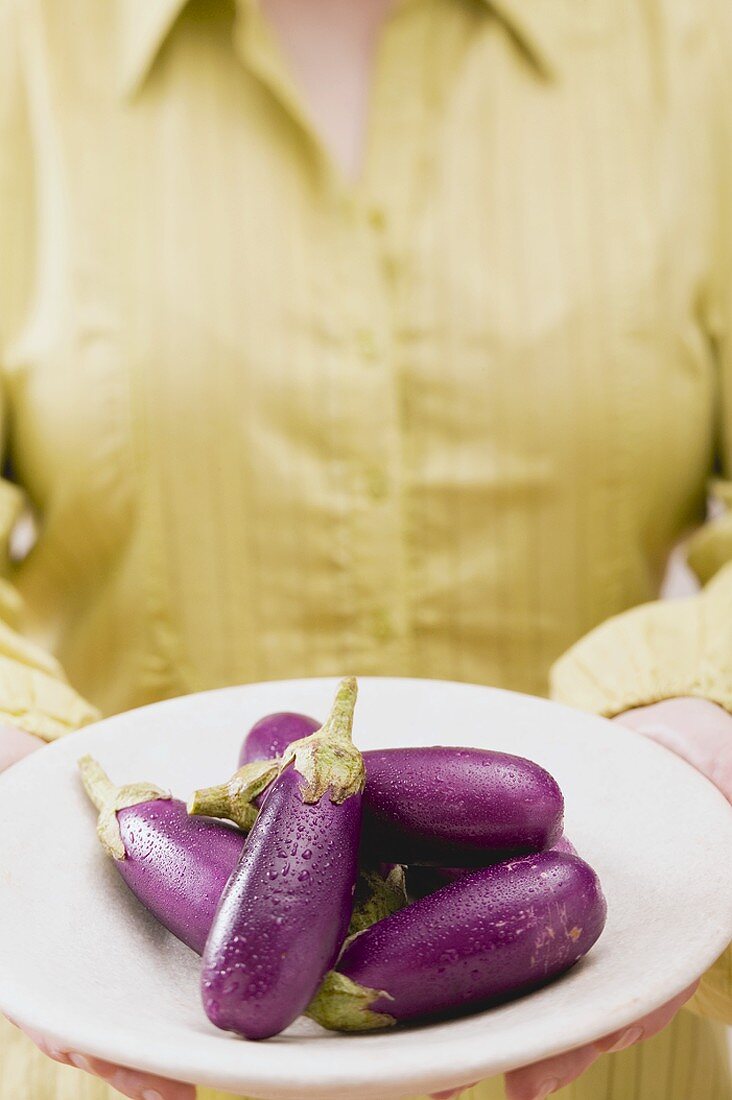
130,1049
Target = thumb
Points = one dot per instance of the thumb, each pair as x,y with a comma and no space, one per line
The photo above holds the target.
15,744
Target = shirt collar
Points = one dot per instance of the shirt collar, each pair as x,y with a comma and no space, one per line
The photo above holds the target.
143,27
537,26
145,24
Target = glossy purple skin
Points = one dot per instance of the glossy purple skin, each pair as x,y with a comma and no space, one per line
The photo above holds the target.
177,865
457,807
495,933
284,913
270,736
444,806
565,845
425,880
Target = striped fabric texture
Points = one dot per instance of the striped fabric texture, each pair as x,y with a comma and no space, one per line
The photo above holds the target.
445,422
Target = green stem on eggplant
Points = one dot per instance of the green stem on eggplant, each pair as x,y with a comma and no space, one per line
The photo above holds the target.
108,799
342,1005
328,759
377,897
234,799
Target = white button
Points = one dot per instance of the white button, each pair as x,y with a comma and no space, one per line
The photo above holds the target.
377,218
383,627
377,483
366,343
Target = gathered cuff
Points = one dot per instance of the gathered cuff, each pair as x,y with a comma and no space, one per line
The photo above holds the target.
661,650
658,651
33,700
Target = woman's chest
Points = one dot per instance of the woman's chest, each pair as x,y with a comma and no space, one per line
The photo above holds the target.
510,303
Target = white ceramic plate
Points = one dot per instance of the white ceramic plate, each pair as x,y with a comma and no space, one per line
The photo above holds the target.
83,962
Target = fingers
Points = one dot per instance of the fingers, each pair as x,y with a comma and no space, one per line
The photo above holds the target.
45,1046
451,1094
541,1079
537,1081
698,731
15,744
708,749
137,1086
647,1026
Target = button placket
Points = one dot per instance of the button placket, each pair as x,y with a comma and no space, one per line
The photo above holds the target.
382,625
377,218
372,450
377,483
367,344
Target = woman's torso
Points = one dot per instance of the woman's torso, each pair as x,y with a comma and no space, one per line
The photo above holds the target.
437,424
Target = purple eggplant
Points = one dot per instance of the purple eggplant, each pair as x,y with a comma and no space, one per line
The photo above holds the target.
496,933
421,881
564,844
379,891
176,865
285,911
449,807
269,737
259,765
456,807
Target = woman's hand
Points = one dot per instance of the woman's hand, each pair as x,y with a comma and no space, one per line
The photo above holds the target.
138,1086
14,745
698,731
701,733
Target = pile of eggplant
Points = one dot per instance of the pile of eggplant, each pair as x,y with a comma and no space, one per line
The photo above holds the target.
362,890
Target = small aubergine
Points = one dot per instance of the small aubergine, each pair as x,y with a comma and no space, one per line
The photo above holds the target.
436,806
176,865
269,737
458,807
284,913
259,765
421,881
491,935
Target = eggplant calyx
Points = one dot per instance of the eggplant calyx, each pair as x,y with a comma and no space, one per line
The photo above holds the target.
328,759
234,800
341,1004
377,898
108,799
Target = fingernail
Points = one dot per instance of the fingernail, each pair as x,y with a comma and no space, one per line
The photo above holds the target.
546,1088
151,1094
632,1035
80,1062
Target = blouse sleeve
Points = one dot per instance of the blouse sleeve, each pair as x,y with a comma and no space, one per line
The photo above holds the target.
661,650
684,647
34,693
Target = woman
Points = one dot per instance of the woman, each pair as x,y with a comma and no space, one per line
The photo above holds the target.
392,337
